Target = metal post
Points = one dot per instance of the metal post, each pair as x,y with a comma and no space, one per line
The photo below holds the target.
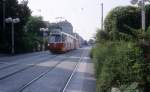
12,38
4,15
43,31
12,21
43,41
102,17
143,15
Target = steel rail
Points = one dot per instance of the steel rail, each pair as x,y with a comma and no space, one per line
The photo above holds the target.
40,76
13,64
72,74
28,67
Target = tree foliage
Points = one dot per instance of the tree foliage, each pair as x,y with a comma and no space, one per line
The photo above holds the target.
121,16
34,24
122,52
33,31
14,10
117,64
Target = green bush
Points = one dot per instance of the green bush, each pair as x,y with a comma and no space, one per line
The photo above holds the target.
122,52
116,64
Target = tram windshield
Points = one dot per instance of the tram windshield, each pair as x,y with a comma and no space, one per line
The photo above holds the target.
55,38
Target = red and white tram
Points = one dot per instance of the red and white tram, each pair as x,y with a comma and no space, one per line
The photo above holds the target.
62,42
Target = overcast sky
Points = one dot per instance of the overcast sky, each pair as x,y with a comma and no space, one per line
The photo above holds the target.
85,15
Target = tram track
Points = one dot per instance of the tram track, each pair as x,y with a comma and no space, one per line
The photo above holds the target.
5,65
41,75
24,86
23,55
72,74
19,62
20,58
38,77
8,65
25,68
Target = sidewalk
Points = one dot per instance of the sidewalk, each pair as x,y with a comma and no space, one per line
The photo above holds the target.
23,54
3,55
84,79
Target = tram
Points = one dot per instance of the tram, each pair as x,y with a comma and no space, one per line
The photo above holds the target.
60,42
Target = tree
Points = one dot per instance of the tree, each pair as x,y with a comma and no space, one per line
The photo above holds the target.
34,24
121,16
33,30
125,23
101,35
14,10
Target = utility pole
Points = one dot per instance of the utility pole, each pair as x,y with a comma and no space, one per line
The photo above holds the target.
143,14
4,6
12,37
141,3
102,25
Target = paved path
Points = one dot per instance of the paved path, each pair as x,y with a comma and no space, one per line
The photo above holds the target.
46,72
84,79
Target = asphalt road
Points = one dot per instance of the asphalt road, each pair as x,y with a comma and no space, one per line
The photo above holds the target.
46,72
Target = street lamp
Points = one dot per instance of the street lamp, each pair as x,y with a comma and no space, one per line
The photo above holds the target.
102,24
44,34
12,21
4,14
141,3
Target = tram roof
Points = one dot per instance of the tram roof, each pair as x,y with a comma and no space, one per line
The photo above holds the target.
60,32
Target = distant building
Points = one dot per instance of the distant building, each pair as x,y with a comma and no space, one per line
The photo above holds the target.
62,25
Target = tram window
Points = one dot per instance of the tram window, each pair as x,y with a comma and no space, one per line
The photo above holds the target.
64,37
51,39
55,38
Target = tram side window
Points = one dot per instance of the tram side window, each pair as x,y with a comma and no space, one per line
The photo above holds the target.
64,37
51,39
55,38
68,39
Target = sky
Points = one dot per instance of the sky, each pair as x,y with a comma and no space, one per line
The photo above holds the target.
84,15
